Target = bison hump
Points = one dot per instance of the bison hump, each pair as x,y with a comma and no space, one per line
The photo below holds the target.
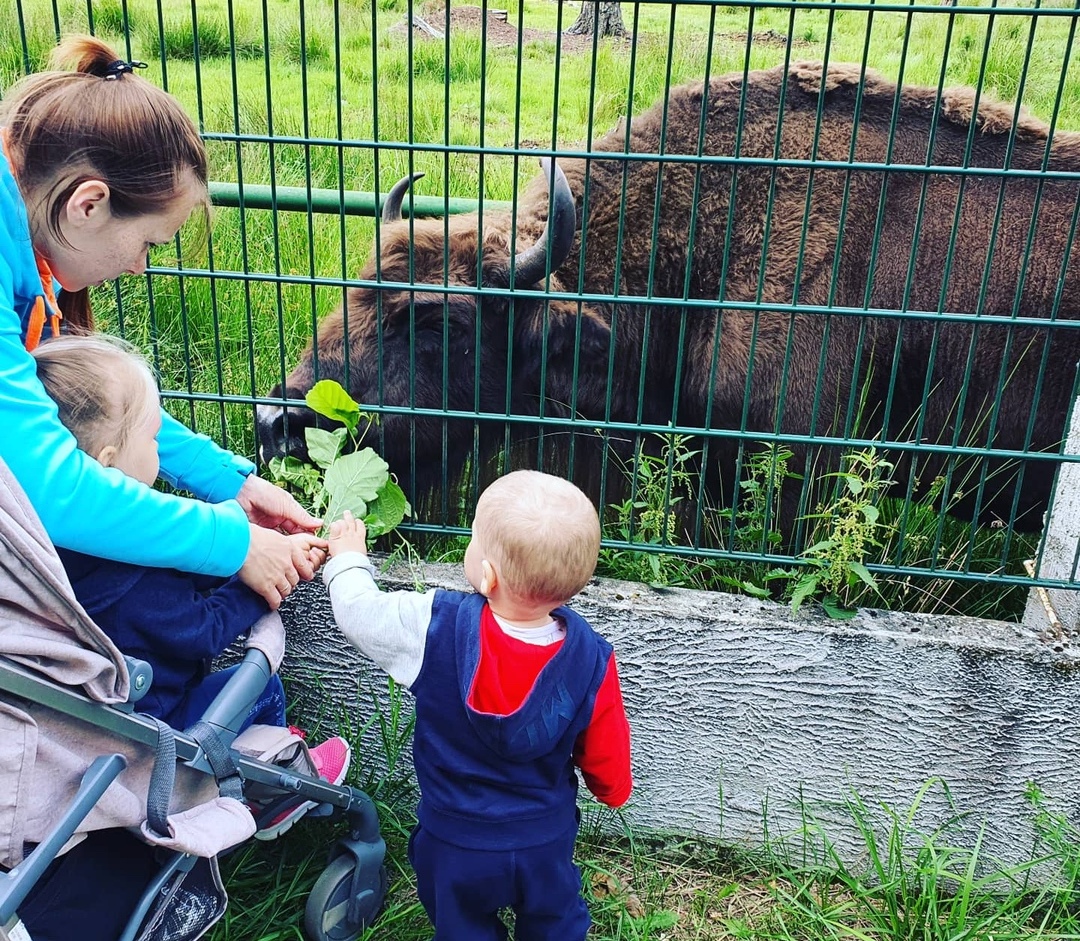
958,105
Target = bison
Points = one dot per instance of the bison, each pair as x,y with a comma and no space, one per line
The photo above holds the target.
848,261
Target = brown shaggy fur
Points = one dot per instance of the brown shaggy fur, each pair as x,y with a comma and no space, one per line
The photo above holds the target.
778,236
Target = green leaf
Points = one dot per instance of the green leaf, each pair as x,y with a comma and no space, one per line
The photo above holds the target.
775,573
660,921
870,513
387,510
289,470
834,609
335,482
755,590
324,446
281,468
328,398
353,481
804,588
864,573
824,546
339,504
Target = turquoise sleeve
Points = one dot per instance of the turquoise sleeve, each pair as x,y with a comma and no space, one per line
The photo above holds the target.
88,508
191,461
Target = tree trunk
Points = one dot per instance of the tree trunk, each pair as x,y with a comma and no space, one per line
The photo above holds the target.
600,16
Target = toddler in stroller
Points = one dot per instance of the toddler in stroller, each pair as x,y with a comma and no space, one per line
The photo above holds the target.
81,768
176,621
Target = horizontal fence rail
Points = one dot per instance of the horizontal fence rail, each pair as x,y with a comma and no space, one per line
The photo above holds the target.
815,335
298,199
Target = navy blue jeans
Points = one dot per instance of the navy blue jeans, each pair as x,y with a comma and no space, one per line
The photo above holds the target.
94,886
462,890
269,708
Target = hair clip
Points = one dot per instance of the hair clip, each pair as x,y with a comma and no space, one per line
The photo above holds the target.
119,67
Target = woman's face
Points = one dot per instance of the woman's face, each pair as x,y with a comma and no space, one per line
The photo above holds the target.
102,246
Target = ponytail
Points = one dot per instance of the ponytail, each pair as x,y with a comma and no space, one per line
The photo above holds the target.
93,117
75,306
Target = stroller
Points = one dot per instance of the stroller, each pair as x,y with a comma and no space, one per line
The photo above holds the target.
81,771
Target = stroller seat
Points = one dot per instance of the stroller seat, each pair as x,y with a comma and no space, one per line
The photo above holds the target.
81,770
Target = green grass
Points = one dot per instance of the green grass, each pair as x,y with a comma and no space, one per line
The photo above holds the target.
909,884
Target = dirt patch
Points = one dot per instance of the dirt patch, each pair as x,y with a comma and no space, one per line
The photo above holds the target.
766,37
431,25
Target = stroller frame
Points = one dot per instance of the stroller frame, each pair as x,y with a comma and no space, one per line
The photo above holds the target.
348,895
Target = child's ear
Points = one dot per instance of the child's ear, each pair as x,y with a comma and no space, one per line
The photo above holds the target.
106,457
488,579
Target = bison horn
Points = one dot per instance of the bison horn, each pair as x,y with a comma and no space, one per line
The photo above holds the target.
534,264
391,210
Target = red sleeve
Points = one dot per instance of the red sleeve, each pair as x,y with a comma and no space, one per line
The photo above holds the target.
602,751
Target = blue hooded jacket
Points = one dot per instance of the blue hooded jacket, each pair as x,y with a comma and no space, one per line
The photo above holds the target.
175,621
84,506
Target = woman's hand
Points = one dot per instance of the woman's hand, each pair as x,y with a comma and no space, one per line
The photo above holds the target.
275,563
273,508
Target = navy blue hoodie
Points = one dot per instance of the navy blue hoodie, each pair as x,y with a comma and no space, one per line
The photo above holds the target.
174,621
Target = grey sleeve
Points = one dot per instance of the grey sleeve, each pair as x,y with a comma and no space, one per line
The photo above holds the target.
388,627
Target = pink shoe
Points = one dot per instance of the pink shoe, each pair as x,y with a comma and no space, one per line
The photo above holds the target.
331,760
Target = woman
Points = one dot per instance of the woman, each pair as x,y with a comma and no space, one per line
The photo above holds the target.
100,166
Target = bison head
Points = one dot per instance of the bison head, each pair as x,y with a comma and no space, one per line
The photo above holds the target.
442,345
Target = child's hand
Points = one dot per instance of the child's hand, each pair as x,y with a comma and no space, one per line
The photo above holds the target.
308,552
347,535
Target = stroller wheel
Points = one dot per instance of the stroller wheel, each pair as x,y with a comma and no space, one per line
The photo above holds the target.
328,915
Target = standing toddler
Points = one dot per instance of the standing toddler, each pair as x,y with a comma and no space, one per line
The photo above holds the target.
513,691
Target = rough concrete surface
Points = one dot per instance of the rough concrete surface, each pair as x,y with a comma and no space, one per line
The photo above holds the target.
1060,553
745,717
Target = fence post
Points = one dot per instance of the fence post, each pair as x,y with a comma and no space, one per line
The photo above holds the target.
1055,612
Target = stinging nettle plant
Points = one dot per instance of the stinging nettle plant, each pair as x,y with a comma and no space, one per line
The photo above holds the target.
337,480
852,529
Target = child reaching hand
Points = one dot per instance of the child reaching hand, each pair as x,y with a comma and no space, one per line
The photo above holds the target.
513,690
176,621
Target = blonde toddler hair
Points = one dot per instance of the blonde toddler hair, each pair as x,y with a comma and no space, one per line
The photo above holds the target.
102,386
542,534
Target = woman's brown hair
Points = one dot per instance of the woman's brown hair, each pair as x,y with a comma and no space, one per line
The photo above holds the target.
87,119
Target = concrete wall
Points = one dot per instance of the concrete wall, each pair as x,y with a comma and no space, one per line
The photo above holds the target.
1055,612
735,704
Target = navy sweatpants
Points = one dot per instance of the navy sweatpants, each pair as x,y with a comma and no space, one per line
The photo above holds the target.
91,891
269,708
462,890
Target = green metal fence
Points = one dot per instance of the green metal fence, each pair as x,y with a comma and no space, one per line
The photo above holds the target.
806,310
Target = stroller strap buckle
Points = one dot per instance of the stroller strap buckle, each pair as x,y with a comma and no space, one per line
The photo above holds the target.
229,777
